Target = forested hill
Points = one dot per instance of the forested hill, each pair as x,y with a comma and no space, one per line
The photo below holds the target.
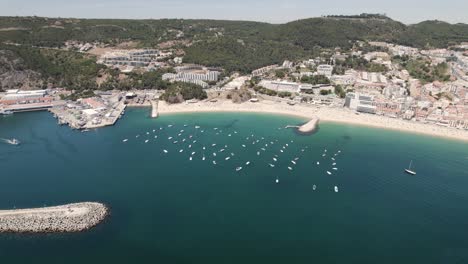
325,32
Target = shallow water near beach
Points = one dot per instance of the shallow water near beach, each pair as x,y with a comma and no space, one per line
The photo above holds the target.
167,208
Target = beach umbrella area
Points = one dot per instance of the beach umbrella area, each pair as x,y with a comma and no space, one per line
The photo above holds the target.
210,144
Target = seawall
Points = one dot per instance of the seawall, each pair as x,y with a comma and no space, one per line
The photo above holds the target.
65,218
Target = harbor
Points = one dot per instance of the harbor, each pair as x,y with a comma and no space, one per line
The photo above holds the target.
75,217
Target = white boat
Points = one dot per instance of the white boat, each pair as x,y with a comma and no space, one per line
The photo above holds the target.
221,150
296,159
12,141
293,162
6,112
165,151
155,136
180,151
335,169
336,188
258,153
324,155
189,146
277,181
333,158
203,158
318,163
289,168
271,165
281,150
314,187
197,127
214,162
238,168
214,154
190,158
125,140
232,154
213,145
227,158
169,125
275,159
175,142
229,135
247,163
329,173
146,141
243,146
193,153
169,138
334,163
204,148
409,171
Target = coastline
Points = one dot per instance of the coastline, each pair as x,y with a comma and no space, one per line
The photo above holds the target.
325,114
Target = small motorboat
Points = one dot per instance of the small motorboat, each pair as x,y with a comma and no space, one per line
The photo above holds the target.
238,168
336,189
125,140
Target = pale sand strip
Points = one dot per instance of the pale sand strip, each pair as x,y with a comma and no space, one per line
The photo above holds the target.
339,115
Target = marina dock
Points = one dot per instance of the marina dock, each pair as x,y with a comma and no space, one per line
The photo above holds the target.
65,218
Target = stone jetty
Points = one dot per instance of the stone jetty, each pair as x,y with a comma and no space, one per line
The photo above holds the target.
310,126
65,218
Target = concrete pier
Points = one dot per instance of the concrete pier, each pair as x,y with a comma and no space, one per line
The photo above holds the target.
65,218
310,126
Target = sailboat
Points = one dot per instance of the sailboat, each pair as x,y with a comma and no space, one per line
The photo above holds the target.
409,171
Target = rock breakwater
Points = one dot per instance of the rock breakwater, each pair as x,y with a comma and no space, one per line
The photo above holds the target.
65,218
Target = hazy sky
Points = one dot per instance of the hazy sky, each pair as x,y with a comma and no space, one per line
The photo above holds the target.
275,11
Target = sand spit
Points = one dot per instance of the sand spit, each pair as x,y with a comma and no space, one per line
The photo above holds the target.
65,218
310,126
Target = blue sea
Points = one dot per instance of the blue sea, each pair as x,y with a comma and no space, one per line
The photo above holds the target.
177,207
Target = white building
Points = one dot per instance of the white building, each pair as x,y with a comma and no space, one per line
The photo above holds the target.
325,70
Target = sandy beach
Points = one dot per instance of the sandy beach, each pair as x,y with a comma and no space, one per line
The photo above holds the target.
326,114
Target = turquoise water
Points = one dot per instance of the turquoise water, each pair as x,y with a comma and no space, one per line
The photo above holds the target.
168,209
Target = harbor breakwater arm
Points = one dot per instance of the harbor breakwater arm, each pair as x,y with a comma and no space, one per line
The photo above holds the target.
65,218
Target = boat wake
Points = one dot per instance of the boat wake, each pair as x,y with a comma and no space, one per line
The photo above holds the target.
12,141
